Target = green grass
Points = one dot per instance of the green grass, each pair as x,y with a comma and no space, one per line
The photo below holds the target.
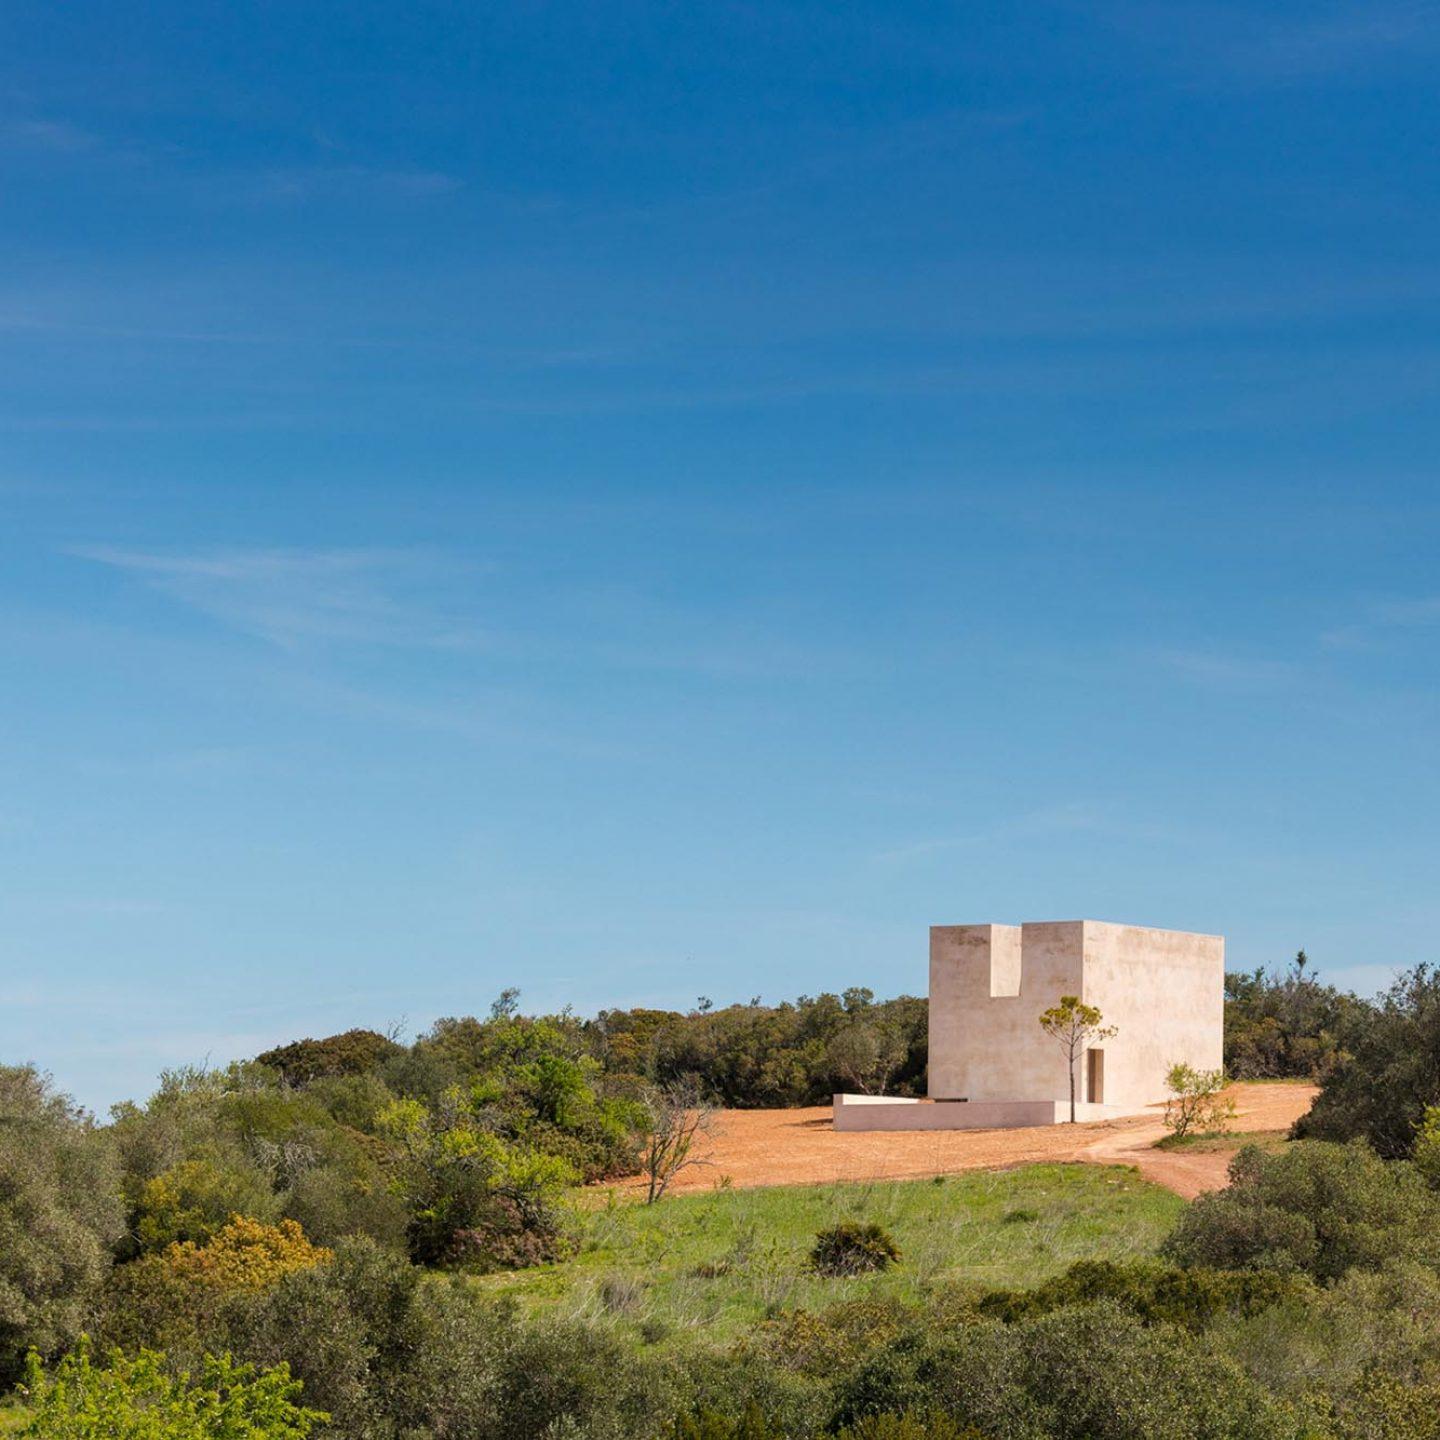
1210,1141
713,1264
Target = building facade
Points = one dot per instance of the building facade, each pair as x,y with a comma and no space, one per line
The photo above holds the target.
992,1065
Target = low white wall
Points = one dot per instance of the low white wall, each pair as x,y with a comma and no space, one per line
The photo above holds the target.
892,1112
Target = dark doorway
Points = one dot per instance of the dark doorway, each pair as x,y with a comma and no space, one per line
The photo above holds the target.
1095,1076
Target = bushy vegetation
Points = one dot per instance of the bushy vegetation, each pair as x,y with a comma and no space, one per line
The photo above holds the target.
1282,1025
352,1238
1287,1025
139,1399
853,1247
1315,1208
60,1213
774,1055
1191,1298
1380,1090
1197,1104
455,1149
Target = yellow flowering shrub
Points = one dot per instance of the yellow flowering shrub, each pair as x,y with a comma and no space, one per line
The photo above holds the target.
192,1200
245,1254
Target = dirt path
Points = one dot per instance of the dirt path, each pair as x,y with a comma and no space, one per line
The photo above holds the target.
799,1147
1258,1107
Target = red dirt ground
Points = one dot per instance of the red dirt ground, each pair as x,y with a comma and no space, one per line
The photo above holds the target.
800,1147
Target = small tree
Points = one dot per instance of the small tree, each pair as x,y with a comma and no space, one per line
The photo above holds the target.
1196,1102
1074,1025
506,1005
866,1054
677,1115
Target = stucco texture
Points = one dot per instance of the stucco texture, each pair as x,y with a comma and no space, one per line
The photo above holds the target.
1162,990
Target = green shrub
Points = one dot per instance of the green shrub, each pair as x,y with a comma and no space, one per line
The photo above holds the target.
208,1118
192,1201
1427,1146
1190,1299
1196,1102
910,1425
60,1212
352,1100
788,1054
1088,1372
753,1424
1372,1322
745,1377
147,1304
332,1203
1384,1408
356,1052
473,1198
179,1300
1313,1207
351,1330
1391,1073
570,1378
853,1248
138,1399
835,1339
750,1424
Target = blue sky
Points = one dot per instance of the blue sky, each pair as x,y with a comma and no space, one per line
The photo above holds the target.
642,501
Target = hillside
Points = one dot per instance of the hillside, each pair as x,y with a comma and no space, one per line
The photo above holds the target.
715,1264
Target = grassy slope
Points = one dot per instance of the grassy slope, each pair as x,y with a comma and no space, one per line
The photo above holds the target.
1211,1142
653,1267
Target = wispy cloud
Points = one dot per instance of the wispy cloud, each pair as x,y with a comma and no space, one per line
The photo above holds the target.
121,907
57,137
328,179
297,597
1077,817
1322,43
332,182
491,718
1422,611
1213,670
1250,42
1413,613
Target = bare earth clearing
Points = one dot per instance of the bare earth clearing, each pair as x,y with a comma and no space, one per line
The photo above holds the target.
798,1147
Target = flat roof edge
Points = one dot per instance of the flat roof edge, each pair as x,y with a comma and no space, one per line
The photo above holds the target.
1114,924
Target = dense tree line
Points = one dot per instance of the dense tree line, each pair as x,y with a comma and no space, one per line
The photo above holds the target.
1288,1025
1278,1025
312,1216
1388,1077
756,1056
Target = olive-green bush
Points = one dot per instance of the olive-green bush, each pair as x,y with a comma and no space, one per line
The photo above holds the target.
1389,1073
1315,1208
1087,1372
60,1212
1190,1299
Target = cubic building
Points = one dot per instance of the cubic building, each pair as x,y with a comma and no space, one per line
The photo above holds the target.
991,1063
